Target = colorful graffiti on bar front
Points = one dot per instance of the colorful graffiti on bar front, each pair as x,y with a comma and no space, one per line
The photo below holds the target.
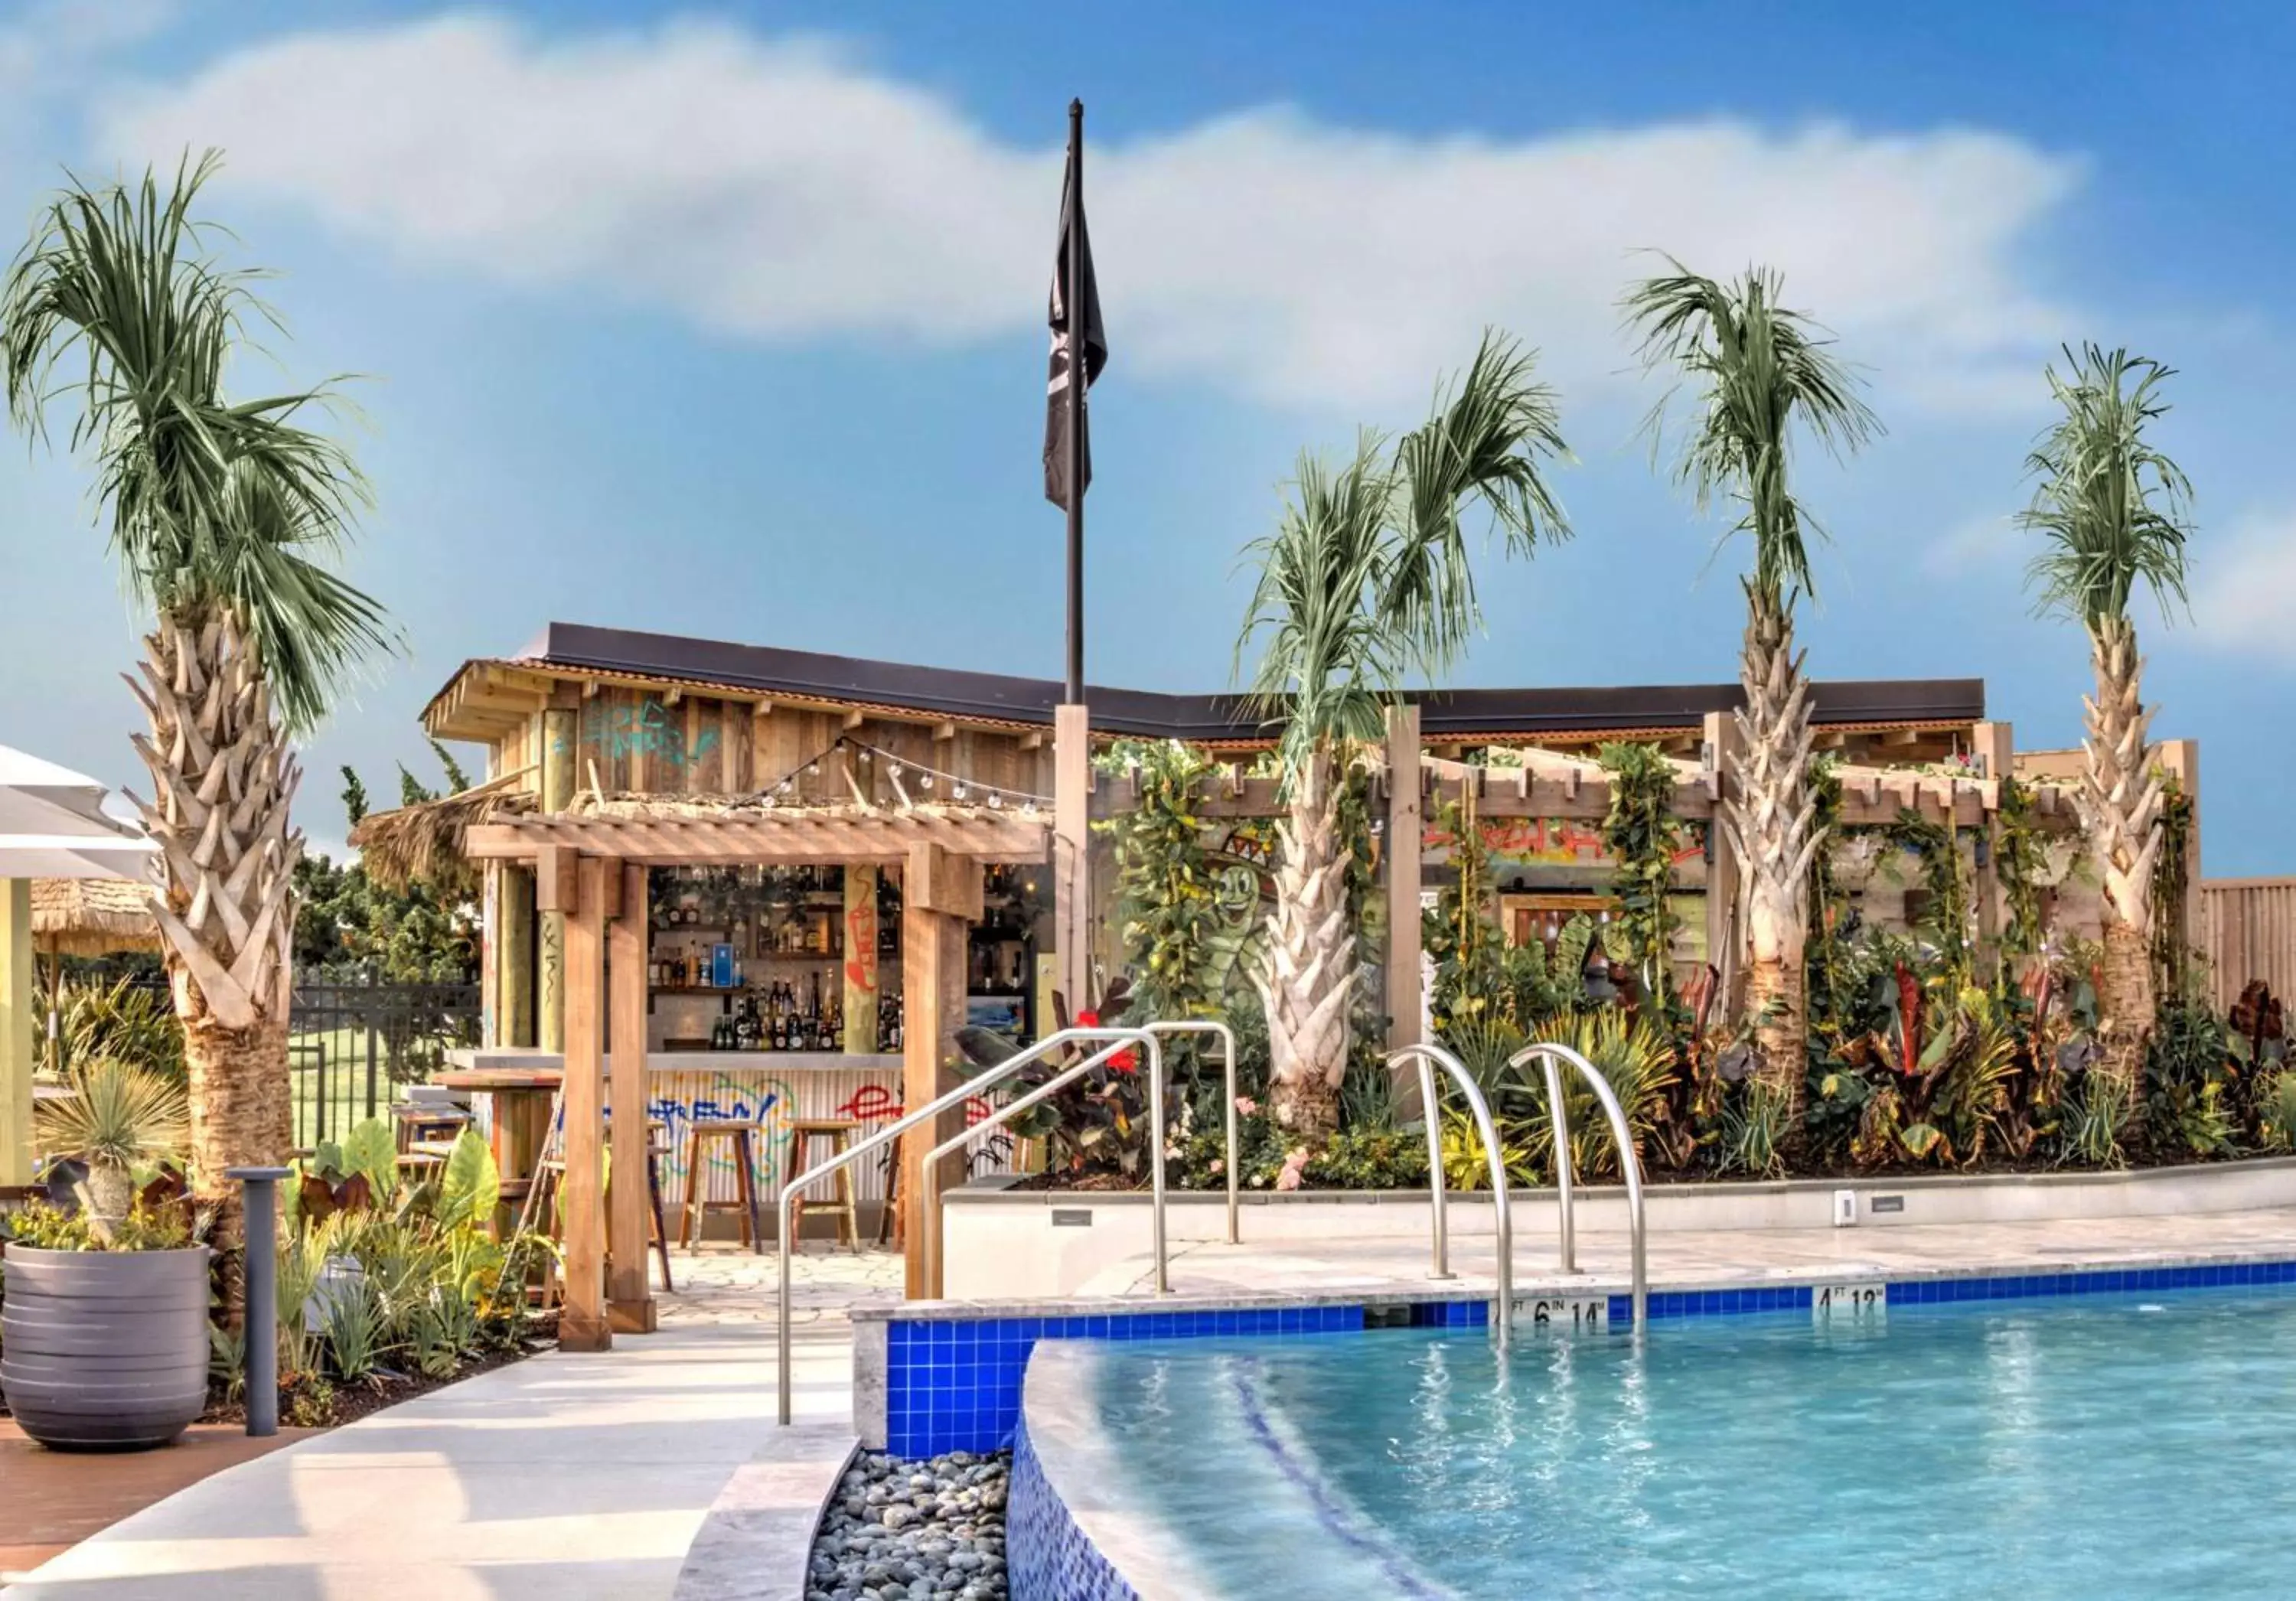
868,1097
617,730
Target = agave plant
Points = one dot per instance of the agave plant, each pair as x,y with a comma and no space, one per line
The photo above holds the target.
1634,1057
116,1119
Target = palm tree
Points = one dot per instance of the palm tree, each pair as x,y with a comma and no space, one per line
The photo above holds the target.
1367,578
1759,370
216,511
2111,510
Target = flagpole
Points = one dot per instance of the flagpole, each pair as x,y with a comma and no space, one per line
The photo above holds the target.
1077,382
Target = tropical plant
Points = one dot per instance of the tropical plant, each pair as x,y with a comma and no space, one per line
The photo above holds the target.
1640,831
2095,1111
116,1117
2276,1111
1466,1166
1761,374
2112,511
1367,578
1637,1060
1752,1130
217,511
144,1228
127,1022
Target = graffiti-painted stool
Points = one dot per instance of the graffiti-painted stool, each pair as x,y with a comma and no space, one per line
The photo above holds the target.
839,1132
743,1132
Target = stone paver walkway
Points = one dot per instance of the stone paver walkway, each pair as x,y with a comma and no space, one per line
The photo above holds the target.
560,1478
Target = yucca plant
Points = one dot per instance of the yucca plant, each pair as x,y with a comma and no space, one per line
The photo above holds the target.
1760,373
2113,512
216,509
1634,1057
1367,579
128,1021
115,1118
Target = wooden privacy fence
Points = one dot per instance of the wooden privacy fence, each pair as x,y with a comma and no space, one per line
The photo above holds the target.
2248,927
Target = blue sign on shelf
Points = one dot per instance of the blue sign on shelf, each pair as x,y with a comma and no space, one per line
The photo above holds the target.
721,966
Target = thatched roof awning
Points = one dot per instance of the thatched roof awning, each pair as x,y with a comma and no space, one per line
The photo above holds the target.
426,842
92,916
735,830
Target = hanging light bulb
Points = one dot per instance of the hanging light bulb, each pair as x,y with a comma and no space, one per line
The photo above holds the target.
959,791
996,799
1028,808
893,771
925,780
865,754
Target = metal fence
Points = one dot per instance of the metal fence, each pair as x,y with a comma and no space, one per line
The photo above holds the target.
349,1046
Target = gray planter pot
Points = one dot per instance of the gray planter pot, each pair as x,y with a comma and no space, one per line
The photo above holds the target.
104,1351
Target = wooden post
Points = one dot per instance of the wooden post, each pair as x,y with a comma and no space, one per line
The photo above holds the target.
516,945
629,1295
1072,852
860,975
19,1034
1404,833
1724,925
940,897
582,1320
557,795
1995,746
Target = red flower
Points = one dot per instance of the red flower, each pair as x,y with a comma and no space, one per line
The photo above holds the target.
1127,1062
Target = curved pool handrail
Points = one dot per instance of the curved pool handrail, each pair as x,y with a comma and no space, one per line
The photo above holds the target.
1204,1025
934,1108
934,1224
1429,1057
1629,1164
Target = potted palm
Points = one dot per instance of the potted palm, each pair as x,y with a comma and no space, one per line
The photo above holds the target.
103,1341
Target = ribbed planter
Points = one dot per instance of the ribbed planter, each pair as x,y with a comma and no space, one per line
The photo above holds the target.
104,1351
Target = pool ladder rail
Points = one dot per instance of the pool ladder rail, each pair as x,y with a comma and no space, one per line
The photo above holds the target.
1552,1057
1112,1042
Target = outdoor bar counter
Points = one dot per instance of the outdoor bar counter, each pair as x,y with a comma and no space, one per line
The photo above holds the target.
515,1089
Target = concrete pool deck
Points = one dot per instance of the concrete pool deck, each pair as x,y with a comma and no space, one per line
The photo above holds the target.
1710,1259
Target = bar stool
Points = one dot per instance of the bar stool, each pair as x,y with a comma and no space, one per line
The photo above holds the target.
657,1148
839,1132
743,1133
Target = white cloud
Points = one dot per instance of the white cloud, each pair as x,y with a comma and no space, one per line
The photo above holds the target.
1975,544
778,189
2244,590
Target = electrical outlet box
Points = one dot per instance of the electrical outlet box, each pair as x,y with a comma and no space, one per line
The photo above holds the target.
1845,1209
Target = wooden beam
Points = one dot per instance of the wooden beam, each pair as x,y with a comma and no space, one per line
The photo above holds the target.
944,732
1034,740
939,881
560,730
557,884
590,689
516,936
1898,739
1724,892
1072,851
18,1038
629,1295
855,719
582,1323
1401,868
932,1003
673,695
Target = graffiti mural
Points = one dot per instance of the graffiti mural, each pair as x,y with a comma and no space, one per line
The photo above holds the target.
646,727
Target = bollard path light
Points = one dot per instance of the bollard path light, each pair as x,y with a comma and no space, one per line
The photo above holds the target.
259,1212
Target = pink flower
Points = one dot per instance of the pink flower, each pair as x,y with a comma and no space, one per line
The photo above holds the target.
1294,1166
1247,1105
1219,1164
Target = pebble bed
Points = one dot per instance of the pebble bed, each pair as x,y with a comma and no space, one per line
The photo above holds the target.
898,1530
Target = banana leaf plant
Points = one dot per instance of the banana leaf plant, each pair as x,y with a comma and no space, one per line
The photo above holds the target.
1096,1125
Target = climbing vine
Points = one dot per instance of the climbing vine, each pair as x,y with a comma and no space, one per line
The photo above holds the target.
1641,834
2172,870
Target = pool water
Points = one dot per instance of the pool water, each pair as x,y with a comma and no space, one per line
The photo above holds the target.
2087,1448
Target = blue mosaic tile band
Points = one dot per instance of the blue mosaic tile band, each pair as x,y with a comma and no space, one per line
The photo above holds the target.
1052,1558
953,1384
1938,1292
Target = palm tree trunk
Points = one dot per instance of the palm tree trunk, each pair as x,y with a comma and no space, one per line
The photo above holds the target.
1771,819
224,779
2121,797
1310,967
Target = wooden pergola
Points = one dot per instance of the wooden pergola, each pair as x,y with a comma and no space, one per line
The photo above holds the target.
591,865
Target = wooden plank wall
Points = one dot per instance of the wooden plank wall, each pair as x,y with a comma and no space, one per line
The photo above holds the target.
645,741
2248,927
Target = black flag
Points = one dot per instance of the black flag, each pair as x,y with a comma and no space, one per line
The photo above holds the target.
1057,388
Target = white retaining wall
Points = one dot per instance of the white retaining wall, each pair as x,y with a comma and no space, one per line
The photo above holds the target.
1003,1244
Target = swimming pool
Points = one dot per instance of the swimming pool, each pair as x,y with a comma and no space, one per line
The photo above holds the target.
2102,1446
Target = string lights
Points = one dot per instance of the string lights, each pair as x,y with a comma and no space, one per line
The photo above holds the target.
962,791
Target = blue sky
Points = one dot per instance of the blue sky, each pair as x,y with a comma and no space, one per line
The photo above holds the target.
728,320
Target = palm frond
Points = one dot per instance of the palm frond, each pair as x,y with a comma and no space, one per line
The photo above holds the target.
1756,369
1367,575
210,504
2112,509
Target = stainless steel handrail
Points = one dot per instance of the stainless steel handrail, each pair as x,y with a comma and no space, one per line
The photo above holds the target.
1204,1025
1629,1164
934,1108
1429,1057
933,1240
